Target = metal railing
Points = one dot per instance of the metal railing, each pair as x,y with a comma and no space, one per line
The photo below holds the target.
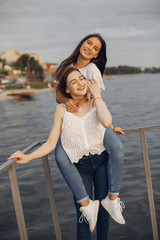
10,166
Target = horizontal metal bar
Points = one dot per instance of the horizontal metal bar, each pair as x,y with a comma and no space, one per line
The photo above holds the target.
139,129
30,147
8,163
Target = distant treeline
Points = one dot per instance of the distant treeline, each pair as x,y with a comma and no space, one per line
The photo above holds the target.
152,70
129,70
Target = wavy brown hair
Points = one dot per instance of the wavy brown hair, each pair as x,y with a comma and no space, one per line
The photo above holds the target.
100,61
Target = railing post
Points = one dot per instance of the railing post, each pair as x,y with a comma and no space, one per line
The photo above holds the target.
51,198
17,202
149,184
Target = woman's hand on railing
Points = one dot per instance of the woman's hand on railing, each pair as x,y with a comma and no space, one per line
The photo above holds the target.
118,131
22,158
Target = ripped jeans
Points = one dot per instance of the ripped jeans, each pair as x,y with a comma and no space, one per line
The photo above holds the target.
114,148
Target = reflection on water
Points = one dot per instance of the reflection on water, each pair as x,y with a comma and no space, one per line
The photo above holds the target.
133,102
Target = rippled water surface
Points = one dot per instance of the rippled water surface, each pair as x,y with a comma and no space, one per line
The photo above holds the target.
134,102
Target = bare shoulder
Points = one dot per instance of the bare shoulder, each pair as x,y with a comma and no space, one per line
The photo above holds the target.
59,112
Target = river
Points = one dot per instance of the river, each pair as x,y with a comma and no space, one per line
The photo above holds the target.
134,101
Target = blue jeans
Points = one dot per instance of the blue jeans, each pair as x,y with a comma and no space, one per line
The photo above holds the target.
93,171
114,147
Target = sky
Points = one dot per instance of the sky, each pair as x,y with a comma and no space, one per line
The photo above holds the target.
53,28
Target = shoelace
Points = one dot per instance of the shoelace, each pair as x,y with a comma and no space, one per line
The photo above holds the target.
85,217
121,204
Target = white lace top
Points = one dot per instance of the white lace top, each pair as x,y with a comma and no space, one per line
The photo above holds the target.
82,135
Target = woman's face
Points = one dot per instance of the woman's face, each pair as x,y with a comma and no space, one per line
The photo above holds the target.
76,84
91,48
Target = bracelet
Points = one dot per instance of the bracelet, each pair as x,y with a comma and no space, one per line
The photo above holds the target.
113,128
97,98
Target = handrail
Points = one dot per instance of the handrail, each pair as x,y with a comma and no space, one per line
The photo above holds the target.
139,129
16,195
148,176
8,163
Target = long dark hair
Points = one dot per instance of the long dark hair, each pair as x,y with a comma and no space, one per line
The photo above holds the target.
63,80
100,61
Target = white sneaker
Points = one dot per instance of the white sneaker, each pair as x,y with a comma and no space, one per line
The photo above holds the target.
115,208
90,213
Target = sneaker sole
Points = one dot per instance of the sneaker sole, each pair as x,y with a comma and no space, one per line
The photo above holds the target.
97,208
111,214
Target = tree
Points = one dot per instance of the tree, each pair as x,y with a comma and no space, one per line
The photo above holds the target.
33,69
3,61
2,71
121,70
22,61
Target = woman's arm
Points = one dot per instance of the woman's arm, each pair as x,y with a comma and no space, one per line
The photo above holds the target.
94,73
47,147
103,114
60,98
71,105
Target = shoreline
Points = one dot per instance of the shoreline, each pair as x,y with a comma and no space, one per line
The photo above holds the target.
121,74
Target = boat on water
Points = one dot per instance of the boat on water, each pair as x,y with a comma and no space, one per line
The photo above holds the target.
22,93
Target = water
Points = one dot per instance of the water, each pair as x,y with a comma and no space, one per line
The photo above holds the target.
134,102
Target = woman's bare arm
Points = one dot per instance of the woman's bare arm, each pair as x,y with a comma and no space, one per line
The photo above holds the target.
47,147
103,114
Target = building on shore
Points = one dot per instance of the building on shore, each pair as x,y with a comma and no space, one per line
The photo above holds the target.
11,56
